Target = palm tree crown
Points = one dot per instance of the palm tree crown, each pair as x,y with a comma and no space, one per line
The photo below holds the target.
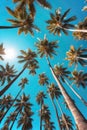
61,72
7,73
76,56
59,22
79,78
81,35
43,79
44,47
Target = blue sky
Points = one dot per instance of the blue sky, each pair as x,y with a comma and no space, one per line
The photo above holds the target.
10,38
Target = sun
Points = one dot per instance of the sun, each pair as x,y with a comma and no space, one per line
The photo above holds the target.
10,54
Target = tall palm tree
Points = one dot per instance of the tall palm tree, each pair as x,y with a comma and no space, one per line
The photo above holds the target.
45,115
40,100
22,21
21,105
7,73
81,35
76,56
69,122
26,58
2,51
79,118
62,73
30,5
60,23
23,82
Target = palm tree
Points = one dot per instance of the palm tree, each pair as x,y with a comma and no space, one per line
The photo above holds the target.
76,56
49,126
5,102
69,122
81,25
60,23
21,105
62,73
40,100
79,78
43,50
22,21
43,79
25,120
45,115
23,82
5,127
30,5
7,73
2,51
27,58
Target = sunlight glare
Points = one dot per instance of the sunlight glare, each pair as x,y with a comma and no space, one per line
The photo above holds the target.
10,54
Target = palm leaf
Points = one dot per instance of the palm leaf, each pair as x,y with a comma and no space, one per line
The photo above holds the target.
11,12
70,19
64,15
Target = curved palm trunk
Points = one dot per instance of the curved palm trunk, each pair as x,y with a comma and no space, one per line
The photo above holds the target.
83,101
11,105
67,128
79,118
9,27
10,83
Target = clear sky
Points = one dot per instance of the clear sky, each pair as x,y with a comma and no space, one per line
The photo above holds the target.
11,39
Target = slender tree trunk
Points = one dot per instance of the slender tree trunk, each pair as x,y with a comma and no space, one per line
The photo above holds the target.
83,58
55,111
79,118
11,82
82,100
67,128
75,30
11,105
14,120
9,27
41,118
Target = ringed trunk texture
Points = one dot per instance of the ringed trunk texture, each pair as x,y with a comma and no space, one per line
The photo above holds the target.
10,83
79,118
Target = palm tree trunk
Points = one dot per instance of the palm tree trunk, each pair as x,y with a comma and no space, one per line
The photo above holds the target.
9,27
83,101
14,120
11,105
55,110
74,30
67,128
41,118
11,82
79,118
83,58
56,113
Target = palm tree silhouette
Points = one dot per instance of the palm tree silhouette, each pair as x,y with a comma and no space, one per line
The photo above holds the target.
60,23
43,49
40,100
26,58
81,35
62,73
68,120
76,56
22,20
30,5
7,73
